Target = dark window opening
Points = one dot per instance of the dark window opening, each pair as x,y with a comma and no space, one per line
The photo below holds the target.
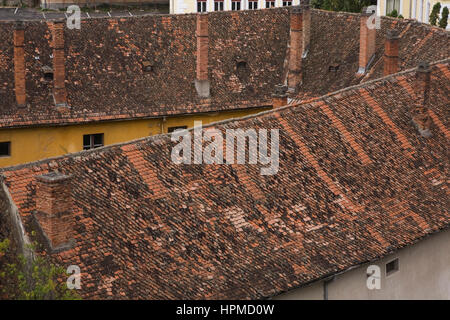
5,149
172,129
218,5
235,5
391,267
270,4
201,5
287,3
91,141
252,5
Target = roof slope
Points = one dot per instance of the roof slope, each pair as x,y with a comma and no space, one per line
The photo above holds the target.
105,80
335,41
356,181
104,75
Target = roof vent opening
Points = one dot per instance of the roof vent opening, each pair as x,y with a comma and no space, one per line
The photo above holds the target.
241,64
242,70
334,67
147,66
48,73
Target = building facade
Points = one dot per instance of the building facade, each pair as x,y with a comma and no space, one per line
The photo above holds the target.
411,9
21,145
189,6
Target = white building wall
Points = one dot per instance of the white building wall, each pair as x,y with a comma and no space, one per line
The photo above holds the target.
424,273
190,6
414,9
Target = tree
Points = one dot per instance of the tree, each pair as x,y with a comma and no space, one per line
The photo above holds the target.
342,5
444,19
393,14
434,15
39,280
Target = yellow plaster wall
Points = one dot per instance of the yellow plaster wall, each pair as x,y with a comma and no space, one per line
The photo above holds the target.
31,144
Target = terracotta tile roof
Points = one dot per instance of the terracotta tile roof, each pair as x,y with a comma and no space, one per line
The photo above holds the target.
105,79
418,42
149,228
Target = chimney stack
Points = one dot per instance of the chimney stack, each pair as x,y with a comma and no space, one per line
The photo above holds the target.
279,97
19,64
202,83
295,49
366,41
54,209
306,26
59,73
421,119
391,53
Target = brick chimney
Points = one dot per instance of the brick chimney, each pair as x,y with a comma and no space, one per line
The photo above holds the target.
59,72
295,49
19,64
54,209
421,119
306,27
201,82
279,97
390,60
366,41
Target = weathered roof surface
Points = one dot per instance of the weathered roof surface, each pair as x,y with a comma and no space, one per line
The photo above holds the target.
105,80
104,75
356,182
335,41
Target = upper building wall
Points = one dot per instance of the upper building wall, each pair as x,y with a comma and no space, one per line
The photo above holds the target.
190,6
412,9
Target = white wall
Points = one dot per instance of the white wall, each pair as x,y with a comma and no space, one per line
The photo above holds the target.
190,6
424,273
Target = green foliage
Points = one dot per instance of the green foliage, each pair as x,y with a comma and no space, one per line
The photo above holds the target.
39,280
342,5
444,19
400,16
393,14
434,15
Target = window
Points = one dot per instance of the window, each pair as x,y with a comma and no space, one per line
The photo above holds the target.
91,141
391,5
270,4
235,5
201,5
287,3
218,5
252,5
172,129
391,267
5,149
